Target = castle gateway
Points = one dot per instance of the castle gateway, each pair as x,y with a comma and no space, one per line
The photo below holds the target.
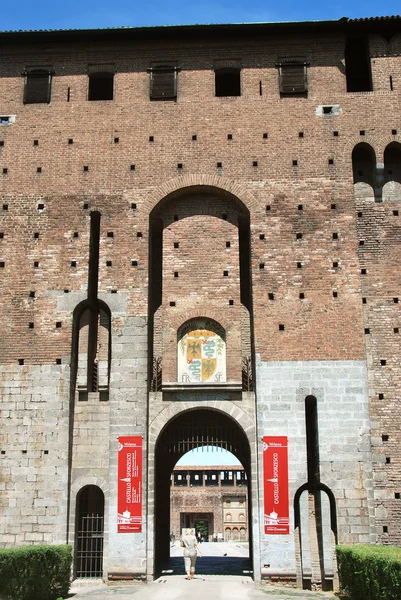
200,245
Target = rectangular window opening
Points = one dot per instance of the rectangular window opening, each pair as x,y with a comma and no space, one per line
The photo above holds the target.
292,77
357,65
37,88
163,82
101,85
227,79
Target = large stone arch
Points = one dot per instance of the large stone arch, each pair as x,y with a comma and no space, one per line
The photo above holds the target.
246,423
165,416
193,183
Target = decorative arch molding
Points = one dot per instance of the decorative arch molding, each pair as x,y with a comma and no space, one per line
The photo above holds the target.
194,183
383,142
394,143
350,146
235,413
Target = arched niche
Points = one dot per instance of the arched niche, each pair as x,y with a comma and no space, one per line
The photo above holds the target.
89,532
392,172
201,352
91,347
363,168
199,246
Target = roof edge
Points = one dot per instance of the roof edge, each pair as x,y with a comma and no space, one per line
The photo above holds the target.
192,32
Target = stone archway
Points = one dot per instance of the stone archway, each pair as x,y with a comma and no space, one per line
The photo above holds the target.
190,429
199,267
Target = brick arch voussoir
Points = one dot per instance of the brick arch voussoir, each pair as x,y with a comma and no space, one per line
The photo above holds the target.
169,413
208,313
354,141
191,180
377,143
389,139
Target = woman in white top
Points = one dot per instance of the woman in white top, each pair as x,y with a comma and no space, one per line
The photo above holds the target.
191,549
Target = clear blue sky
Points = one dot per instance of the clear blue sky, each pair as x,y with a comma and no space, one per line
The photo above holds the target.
208,456
86,14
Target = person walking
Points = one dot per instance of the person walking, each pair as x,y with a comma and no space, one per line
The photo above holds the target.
191,549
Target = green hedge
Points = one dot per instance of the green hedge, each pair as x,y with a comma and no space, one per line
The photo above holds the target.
35,572
370,572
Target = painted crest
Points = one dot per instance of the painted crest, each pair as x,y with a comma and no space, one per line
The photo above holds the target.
201,352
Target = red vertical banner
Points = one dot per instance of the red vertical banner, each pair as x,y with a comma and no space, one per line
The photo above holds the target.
129,503
275,479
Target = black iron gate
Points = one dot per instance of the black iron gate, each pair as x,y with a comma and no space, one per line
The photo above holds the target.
90,533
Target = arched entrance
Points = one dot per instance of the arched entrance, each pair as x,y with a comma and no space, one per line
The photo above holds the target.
192,429
200,342
89,532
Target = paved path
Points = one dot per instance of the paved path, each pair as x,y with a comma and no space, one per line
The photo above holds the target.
214,587
222,573
222,558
